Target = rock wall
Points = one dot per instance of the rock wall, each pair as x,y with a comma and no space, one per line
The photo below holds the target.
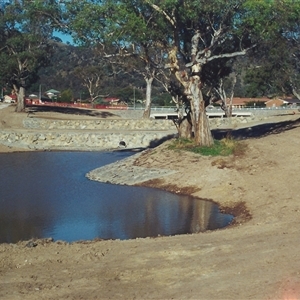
45,134
81,141
100,124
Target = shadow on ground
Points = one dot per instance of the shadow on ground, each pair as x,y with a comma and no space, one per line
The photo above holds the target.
257,131
71,111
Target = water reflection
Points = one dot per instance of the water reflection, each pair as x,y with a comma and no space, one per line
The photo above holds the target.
46,194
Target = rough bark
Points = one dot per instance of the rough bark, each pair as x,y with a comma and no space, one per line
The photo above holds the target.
199,128
185,128
202,132
203,135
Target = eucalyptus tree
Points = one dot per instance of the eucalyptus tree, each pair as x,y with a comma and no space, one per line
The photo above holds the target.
127,33
25,33
203,34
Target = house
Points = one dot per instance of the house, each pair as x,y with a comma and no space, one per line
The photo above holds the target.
10,98
238,102
111,101
34,98
293,102
276,102
52,94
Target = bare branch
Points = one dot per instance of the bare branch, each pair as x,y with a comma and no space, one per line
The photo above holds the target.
205,59
233,54
158,9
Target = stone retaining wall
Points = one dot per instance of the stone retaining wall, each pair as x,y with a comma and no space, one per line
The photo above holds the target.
45,134
82,140
126,124
109,124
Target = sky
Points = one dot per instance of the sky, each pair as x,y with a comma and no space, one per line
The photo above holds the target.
64,37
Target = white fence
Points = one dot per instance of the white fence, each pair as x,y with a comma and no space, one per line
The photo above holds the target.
216,111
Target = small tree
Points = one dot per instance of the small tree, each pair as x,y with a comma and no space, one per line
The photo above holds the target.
66,96
91,77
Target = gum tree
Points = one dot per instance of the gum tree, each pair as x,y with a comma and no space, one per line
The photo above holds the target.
126,33
25,47
202,34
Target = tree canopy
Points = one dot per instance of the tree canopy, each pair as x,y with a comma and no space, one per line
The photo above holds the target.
25,47
275,65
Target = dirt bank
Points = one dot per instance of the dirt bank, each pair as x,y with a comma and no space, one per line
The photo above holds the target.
258,258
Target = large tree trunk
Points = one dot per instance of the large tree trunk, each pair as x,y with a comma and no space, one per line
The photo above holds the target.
185,128
20,103
147,110
192,86
202,132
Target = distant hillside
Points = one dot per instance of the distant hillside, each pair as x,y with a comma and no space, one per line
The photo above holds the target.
59,74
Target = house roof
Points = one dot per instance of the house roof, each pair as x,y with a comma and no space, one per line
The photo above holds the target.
286,100
277,99
292,100
12,96
52,91
33,95
243,101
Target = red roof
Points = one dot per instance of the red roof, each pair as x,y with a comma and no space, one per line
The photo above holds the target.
243,101
13,96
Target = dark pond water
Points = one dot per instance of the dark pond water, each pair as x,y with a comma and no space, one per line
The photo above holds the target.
46,194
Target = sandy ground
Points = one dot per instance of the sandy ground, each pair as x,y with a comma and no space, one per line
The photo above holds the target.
256,258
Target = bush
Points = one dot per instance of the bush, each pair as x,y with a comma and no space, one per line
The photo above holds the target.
66,96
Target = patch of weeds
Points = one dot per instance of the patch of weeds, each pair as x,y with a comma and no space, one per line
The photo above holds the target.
225,147
221,147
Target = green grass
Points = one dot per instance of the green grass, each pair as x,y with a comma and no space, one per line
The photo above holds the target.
224,147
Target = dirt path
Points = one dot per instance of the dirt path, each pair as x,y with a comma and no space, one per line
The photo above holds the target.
258,258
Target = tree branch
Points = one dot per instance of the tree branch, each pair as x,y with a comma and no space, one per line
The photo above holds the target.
158,9
204,60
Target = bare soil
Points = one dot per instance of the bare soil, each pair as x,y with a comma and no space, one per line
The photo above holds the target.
257,257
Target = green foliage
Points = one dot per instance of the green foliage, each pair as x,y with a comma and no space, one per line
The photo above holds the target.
163,100
25,30
224,147
128,94
66,96
275,65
